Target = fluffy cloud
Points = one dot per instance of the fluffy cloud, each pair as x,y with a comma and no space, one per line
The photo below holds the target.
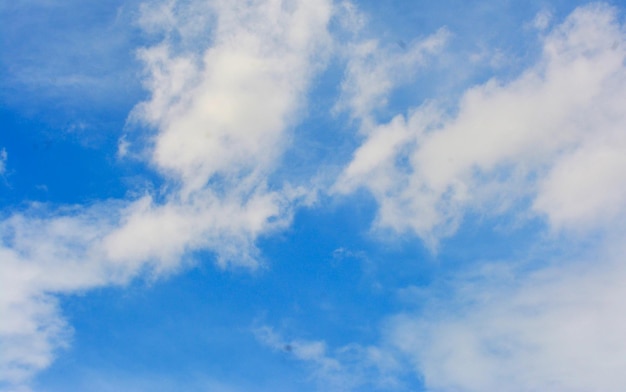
222,120
226,85
557,328
550,136
219,117
39,256
260,63
551,143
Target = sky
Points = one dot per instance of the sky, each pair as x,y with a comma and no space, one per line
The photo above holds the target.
287,195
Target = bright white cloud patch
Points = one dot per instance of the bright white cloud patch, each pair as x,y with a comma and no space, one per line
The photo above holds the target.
221,118
552,135
559,328
224,113
39,256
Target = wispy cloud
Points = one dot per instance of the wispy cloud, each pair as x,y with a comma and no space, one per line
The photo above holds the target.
374,70
56,51
218,120
551,135
3,161
347,368
41,255
500,328
550,143
226,86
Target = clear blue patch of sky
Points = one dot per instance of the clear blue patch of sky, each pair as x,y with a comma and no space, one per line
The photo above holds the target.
47,165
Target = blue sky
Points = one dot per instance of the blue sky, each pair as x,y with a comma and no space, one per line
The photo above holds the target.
276,195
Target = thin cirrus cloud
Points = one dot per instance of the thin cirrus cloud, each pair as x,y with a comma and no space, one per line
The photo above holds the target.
373,70
3,161
346,368
227,85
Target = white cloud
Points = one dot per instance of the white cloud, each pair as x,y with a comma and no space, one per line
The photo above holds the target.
260,63
554,132
557,328
220,116
39,256
542,20
552,142
160,234
222,101
495,327
372,71
71,250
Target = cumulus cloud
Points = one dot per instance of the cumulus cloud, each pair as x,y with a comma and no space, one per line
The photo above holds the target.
547,137
218,117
